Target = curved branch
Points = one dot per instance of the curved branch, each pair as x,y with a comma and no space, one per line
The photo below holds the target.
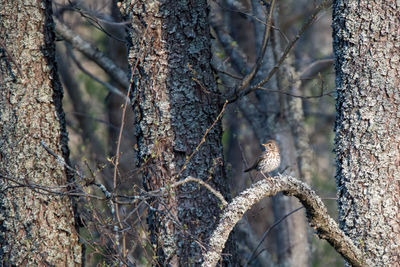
325,227
201,182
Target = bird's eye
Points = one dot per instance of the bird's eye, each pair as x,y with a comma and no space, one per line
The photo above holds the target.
269,145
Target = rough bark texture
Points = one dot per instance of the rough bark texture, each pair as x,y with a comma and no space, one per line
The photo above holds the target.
175,102
367,44
35,229
297,122
317,215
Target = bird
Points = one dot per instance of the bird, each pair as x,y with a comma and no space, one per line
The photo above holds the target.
269,160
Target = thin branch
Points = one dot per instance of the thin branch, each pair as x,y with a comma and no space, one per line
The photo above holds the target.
117,153
226,73
200,182
315,67
249,77
110,196
93,53
107,85
253,255
318,218
284,55
11,58
203,139
94,20
298,96
236,10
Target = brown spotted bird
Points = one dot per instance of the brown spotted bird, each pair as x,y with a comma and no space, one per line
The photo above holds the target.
269,160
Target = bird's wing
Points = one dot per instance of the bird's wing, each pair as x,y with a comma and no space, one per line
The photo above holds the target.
254,165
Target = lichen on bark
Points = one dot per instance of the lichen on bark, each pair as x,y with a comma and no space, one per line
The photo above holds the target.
366,44
35,228
175,101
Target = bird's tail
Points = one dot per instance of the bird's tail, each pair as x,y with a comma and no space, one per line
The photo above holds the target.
249,169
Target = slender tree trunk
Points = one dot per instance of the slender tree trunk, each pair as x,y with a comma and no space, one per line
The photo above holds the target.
175,101
366,43
35,229
274,122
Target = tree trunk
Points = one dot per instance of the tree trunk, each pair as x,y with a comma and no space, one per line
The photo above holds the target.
175,101
274,122
36,229
366,44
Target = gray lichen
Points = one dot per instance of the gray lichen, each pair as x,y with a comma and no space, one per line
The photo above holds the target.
176,102
34,227
366,34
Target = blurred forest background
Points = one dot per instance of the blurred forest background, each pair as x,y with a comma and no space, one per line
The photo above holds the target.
94,108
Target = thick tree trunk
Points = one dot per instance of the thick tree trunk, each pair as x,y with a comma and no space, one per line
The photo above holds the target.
175,101
366,43
35,229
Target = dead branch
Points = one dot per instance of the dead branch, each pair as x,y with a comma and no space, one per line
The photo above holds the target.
107,85
200,182
315,67
288,48
93,53
203,139
325,227
249,77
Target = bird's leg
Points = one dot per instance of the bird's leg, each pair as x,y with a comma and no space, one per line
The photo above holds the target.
251,177
268,176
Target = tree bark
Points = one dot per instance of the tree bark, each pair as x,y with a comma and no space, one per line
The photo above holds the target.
175,101
366,44
35,229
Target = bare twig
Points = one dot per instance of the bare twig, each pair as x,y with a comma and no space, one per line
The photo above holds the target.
60,160
95,21
200,182
284,55
253,255
10,57
94,17
298,96
315,67
107,85
227,73
117,153
249,77
108,195
203,139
